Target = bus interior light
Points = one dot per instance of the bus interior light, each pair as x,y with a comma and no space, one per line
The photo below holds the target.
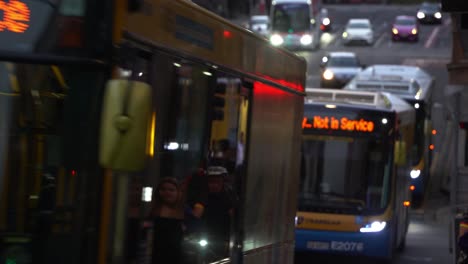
207,73
177,65
415,174
416,105
331,106
384,121
373,227
147,194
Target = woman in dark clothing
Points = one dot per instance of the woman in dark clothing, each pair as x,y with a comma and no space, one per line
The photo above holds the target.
167,218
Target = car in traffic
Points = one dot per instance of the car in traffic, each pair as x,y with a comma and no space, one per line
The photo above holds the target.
405,28
338,68
260,24
430,13
358,30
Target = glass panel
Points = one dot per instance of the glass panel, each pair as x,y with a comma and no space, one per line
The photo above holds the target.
186,199
345,173
291,17
343,62
49,184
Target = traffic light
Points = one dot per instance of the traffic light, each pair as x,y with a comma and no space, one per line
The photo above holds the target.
218,101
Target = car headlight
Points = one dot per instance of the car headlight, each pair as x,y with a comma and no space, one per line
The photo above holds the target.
420,15
328,75
326,21
414,31
276,40
438,15
415,174
395,31
306,39
345,34
373,227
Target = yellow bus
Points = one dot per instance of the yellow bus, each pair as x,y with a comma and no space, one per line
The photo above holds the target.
124,123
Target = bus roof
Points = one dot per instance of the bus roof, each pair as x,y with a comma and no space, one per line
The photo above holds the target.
192,31
379,101
409,82
275,2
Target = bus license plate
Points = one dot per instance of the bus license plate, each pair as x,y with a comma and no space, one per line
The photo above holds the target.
318,245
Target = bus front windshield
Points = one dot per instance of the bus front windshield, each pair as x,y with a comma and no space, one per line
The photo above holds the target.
344,175
291,17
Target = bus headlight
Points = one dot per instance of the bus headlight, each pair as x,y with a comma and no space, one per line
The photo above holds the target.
373,227
415,174
328,75
203,243
420,15
276,40
306,39
345,34
438,15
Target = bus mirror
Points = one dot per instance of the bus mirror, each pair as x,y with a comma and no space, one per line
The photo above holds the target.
400,153
125,119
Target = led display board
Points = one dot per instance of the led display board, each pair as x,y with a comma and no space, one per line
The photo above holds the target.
334,123
22,23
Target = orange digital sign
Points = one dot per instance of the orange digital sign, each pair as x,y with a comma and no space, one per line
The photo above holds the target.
333,123
16,16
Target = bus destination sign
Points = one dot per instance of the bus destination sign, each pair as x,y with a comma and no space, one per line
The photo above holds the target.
14,16
342,124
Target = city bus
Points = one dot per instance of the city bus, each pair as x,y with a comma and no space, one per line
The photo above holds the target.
121,120
415,86
353,193
295,24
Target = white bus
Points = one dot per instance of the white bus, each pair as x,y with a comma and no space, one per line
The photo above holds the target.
295,24
415,86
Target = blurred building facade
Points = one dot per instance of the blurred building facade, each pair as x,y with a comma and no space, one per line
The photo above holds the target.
457,98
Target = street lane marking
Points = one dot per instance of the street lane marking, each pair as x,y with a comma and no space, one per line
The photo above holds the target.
430,40
379,40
